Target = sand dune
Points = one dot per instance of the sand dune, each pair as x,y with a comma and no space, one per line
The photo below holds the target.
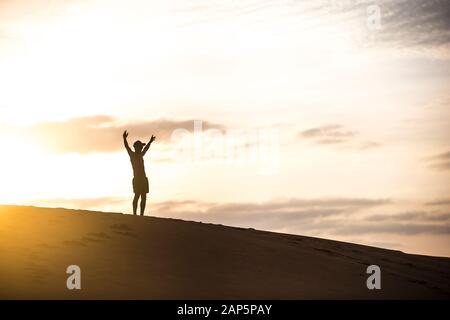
127,257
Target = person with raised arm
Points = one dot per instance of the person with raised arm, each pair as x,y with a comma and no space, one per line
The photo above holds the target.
140,180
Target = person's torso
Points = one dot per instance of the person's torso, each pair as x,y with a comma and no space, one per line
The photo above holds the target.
137,162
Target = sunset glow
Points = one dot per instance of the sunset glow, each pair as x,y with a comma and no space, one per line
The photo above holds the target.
360,116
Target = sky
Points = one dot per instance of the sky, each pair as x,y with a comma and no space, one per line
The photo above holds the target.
324,118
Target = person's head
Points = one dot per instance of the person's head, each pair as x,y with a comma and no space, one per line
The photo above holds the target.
138,146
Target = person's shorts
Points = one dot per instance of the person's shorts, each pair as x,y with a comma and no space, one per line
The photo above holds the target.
140,185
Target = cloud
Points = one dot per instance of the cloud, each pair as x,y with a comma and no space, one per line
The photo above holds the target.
329,134
80,203
365,145
103,133
342,217
415,23
411,216
440,162
358,228
322,216
271,215
404,23
336,134
441,202
296,215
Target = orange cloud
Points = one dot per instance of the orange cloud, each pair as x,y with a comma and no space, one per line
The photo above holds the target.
102,133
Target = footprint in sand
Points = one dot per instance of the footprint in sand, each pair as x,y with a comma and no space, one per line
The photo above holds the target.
120,227
74,243
127,234
98,235
47,246
418,281
123,230
89,239
36,271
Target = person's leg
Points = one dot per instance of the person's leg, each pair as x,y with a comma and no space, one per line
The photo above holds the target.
143,201
135,202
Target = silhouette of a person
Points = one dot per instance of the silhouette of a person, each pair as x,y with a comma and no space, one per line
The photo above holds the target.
140,181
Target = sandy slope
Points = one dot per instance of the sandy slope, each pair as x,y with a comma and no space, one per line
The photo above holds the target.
127,257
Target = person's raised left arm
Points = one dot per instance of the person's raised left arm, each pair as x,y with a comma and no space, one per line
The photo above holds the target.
125,142
147,146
